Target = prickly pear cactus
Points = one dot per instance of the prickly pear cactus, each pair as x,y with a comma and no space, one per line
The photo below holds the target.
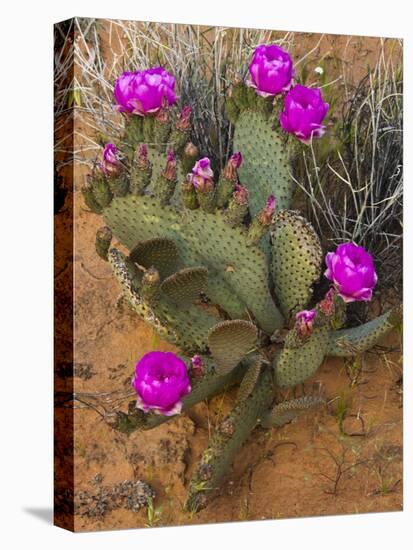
196,270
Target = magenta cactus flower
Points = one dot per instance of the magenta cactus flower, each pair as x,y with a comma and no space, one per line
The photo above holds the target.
351,268
271,70
304,321
202,174
144,92
110,159
304,111
161,381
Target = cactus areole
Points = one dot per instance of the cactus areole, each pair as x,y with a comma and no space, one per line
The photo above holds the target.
218,263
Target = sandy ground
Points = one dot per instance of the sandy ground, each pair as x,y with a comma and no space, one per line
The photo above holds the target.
307,468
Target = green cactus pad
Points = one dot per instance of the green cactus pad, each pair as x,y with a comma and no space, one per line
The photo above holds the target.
202,239
352,341
296,364
296,261
158,252
222,448
225,251
250,379
224,296
186,328
190,325
185,286
122,274
289,410
230,341
264,170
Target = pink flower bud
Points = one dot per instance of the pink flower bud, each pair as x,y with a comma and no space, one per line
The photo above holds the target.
197,365
230,170
110,161
170,169
327,303
184,120
304,322
202,175
266,214
241,194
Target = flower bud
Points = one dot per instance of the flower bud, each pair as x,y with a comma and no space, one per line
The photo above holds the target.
327,304
230,170
197,366
241,194
184,120
188,194
304,322
170,169
110,164
266,214
141,171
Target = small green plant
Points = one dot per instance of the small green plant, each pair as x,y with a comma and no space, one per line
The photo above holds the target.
154,514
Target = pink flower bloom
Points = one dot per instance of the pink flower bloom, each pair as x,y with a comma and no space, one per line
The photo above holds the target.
143,92
271,70
203,168
202,174
110,160
304,321
351,268
304,111
161,381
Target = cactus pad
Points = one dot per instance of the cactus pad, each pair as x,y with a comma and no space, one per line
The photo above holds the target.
202,239
296,261
352,341
185,286
159,252
265,168
223,448
289,410
296,364
230,341
250,379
